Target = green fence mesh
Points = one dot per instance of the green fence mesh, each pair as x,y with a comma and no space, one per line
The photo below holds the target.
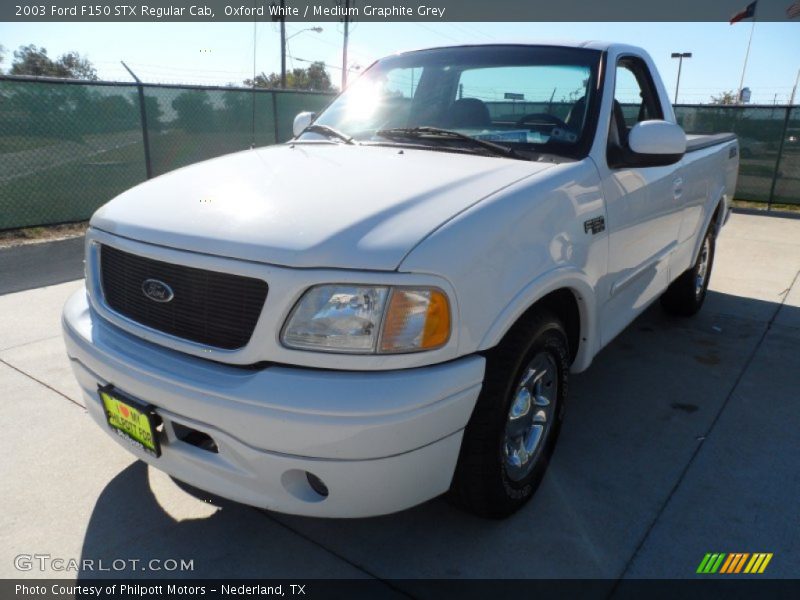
768,146
65,150
187,125
190,125
787,184
68,147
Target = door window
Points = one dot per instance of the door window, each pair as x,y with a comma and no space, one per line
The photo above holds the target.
635,100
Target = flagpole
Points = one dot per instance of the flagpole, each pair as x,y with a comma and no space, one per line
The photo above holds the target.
746,56
794,89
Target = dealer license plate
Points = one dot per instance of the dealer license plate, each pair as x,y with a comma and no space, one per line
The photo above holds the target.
131,419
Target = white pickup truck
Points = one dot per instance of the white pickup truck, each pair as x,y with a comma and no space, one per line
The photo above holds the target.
387,307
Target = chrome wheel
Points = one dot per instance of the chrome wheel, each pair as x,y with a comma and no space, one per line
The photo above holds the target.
530,416
702,268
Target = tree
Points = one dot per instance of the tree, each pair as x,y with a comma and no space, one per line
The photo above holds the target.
262,80
30,60
194,109
314,77
77,67
725,98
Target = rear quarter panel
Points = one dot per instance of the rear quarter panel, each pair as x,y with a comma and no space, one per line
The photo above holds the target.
709,179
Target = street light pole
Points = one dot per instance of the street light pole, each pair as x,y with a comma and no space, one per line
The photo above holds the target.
314,29
284,40
680,56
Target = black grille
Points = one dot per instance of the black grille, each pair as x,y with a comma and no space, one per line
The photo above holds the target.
212,308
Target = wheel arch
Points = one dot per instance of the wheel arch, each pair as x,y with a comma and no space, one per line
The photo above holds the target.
566,293
716,216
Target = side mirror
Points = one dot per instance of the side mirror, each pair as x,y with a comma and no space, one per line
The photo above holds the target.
655,143
301,121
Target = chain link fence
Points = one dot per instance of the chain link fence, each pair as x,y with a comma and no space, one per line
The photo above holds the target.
67,147
769,147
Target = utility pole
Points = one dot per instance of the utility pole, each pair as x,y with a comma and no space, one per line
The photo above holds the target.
680,56
344,46
253,92
281,18
283,44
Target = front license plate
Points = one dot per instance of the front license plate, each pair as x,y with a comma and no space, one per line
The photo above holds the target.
131,419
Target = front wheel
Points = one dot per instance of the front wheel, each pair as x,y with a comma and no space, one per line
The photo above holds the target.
512,433
685,295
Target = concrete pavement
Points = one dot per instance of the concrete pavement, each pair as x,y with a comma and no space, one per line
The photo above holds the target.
681,439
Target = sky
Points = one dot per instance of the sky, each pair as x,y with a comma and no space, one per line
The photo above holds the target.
221,53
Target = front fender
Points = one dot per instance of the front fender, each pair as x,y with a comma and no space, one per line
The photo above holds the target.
511,249
569,278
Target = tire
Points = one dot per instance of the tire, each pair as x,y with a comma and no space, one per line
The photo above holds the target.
685,296
487,480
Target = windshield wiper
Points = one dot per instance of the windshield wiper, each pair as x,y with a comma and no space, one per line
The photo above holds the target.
328,132
435,132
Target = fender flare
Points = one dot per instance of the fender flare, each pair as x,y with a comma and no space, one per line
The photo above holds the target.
723,202
569,278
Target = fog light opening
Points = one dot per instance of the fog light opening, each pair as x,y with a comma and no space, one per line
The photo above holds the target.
304,486
195,438
317,485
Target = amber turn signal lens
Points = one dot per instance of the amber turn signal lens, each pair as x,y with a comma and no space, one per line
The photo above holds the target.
416,319
437,321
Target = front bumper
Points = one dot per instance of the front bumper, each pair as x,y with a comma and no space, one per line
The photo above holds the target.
380,441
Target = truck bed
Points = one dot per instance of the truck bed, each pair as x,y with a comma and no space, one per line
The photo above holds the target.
697,141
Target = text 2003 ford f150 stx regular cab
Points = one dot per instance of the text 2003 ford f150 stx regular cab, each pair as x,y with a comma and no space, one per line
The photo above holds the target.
387,307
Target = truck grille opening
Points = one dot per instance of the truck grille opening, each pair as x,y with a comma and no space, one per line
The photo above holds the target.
208,307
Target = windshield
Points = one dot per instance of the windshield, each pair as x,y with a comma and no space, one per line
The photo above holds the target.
528,98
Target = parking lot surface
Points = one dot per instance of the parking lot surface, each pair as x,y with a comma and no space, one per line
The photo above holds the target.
681,439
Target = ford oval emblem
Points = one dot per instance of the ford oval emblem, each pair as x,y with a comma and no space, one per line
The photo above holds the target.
157,291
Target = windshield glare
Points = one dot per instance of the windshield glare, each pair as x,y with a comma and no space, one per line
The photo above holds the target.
525,97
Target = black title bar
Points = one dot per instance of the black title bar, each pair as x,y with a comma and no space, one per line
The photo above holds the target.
733,587
388,10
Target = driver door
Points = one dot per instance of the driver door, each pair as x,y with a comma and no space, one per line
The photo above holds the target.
644,206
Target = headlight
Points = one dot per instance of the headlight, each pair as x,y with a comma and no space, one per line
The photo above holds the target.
369,319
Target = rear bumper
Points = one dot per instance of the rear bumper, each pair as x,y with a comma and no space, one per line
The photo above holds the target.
380,441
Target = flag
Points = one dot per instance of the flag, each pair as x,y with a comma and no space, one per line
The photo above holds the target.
748,12
793,10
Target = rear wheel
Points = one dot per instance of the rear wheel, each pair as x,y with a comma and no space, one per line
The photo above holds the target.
512,433
685,295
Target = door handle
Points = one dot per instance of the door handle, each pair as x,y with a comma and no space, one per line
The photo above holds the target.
677,188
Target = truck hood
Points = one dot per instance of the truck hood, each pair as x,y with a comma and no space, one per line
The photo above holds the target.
309,205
